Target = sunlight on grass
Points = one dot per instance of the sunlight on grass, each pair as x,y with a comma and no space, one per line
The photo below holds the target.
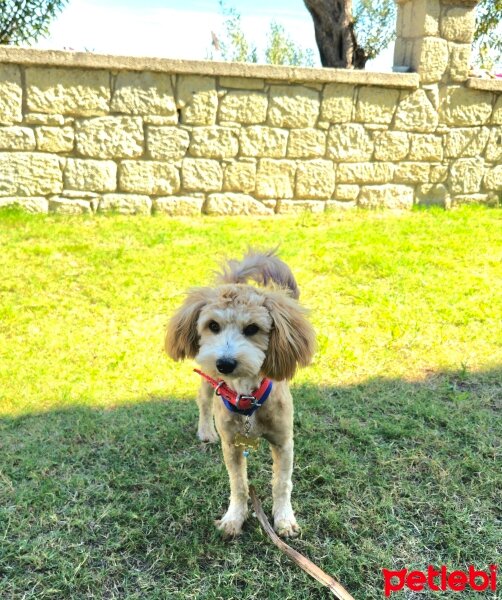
84,301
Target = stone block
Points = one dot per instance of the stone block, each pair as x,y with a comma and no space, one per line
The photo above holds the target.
460,61
244,107
41,119
55,139
201,175
148,177
293,106
110,137
214,142
497,111
386,196
90,175
198,99
465,142
458,24
466,175
230,203
167,143
33,204
432,195
494,146
77,92
430,58
464,106
144,93
425,18
315,179
368,172
337,103
376,105
178,206
391,145
244,83
298,207
263,141
350,142
275,178
439,173
17,138
472,199
239,177
306,143
11,95
426,147
68,206
412,172
416,113
346,192
337,205
29,174
493,179
125,204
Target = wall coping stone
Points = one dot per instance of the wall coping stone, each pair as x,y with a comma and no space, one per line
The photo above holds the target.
89,60
490,85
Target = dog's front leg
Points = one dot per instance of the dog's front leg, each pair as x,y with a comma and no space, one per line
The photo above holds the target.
206,431
231,522
284,517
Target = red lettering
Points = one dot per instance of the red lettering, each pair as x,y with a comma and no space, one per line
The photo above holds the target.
415,581
493,577
443,578
431,574
473,575
457,581
393,587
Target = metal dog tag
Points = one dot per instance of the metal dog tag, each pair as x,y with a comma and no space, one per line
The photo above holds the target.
241,441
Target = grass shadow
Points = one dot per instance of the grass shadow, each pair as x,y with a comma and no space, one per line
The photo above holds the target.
120,503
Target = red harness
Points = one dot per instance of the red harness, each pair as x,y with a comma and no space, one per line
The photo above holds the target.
239,403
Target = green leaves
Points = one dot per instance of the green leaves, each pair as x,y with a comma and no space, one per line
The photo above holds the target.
25,21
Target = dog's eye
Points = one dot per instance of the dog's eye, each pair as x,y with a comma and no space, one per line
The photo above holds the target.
214,327
250,330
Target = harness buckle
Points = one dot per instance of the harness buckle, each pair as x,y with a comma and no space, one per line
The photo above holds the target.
220,383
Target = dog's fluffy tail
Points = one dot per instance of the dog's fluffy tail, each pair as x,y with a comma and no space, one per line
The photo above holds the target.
262,267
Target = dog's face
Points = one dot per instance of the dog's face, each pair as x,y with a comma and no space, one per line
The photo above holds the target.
237,331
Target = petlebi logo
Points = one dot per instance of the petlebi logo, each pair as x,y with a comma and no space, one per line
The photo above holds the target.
440,580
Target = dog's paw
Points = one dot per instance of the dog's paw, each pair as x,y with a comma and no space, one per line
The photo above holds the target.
230,524
207,434
287,528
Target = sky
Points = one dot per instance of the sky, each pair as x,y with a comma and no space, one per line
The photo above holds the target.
174,29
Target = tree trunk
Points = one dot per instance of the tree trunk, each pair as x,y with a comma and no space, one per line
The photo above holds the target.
334,32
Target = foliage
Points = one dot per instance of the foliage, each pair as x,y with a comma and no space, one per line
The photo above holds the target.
25,21
281,50
374,24
233,45
488,34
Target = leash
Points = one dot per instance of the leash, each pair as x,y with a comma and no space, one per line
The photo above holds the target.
304,563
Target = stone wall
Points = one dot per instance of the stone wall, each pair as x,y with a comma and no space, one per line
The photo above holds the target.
81,132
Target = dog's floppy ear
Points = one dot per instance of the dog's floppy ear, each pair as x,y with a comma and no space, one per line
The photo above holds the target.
292,338
182,339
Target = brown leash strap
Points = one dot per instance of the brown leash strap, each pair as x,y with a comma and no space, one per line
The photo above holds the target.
307,565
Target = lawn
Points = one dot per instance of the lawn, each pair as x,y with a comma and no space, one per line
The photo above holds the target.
105,491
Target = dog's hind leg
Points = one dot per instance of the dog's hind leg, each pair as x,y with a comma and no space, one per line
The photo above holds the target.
206,430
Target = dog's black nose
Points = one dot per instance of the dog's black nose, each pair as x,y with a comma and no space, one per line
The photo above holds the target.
226,365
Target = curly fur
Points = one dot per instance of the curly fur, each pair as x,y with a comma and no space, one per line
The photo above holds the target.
282,340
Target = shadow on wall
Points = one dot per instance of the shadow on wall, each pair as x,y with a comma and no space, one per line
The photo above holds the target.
389,473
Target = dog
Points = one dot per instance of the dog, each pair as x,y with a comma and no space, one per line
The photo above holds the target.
248,340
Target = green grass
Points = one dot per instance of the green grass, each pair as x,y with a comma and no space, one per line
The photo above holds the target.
105,491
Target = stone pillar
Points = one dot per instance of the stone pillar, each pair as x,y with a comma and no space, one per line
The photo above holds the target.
434,38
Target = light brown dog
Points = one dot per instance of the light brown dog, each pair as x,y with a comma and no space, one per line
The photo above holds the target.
241,334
